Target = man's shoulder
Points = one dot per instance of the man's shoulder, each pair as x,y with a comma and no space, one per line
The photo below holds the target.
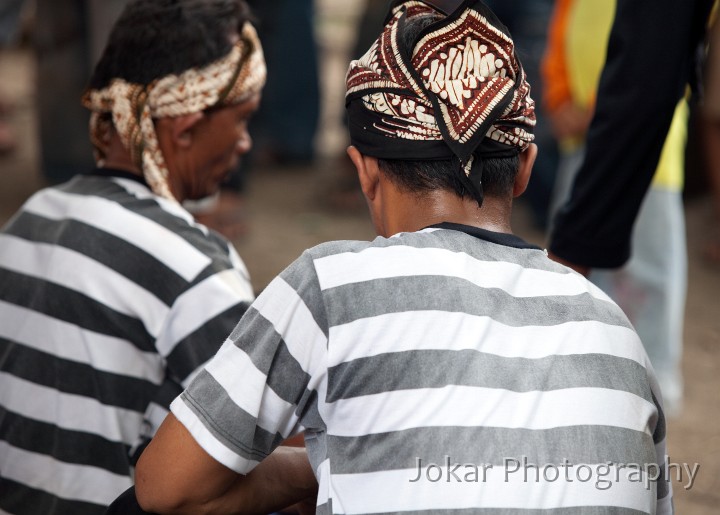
127,198
433,243
125,215
427,238
330,248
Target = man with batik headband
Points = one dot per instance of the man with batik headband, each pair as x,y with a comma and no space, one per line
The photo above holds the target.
461,94
111,296
447,365
130,109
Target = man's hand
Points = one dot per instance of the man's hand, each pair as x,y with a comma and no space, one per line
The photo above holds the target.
581,269
570,121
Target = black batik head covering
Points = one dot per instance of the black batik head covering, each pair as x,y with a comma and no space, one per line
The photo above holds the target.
458,91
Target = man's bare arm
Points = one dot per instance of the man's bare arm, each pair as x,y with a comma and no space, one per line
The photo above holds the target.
175,475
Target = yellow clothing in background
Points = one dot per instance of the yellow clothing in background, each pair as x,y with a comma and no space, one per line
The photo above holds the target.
575,56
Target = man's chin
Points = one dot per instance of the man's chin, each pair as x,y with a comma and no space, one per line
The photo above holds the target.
211,190
201,197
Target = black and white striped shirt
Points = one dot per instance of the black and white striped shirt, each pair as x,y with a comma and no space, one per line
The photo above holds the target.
110,299
404,357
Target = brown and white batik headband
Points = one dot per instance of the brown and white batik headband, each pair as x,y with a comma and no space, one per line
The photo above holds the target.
231,80
459,91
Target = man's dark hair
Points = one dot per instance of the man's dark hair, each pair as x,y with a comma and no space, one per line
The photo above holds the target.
498,174
155,38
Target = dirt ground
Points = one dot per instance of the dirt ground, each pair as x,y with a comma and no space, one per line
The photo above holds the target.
287,211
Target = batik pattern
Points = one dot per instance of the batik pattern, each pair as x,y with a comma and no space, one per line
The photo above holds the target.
461,83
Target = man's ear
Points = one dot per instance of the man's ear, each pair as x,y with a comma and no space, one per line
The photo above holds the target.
368,172
527,160
180,128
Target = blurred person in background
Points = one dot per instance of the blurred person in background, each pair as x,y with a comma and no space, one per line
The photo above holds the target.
651,287
286,123
68,36
653,55
710,111
10,22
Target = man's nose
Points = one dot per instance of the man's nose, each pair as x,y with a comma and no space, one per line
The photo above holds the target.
244,143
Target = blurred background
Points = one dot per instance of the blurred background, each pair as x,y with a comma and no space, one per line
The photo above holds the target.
298,189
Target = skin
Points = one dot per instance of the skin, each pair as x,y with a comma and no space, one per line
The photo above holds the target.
200,149
570,121
395,210
209,149
175,475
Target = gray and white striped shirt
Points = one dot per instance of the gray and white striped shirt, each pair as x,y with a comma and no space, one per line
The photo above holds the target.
403,357
110,300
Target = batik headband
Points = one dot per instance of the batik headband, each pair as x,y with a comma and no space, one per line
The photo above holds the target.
460,92
230,80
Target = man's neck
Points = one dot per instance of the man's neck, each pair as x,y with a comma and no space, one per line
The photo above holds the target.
119,165
411,212
117,157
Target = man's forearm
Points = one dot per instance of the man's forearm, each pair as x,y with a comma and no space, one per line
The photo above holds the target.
283,478
176,475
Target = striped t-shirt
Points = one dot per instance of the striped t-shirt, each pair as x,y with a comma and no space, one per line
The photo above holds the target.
444,371
110,299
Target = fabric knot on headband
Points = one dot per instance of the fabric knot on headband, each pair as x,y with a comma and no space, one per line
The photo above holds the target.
458,90
231,80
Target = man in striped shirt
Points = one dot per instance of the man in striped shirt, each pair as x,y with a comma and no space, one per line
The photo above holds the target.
111,296
445,367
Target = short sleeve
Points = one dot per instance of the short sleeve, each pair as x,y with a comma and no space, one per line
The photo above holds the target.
198,322
260,387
